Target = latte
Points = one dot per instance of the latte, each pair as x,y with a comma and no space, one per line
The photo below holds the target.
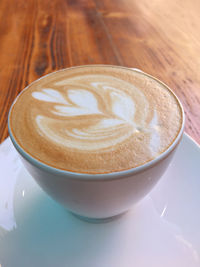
96,119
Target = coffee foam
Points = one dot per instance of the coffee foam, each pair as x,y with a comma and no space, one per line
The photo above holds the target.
96,119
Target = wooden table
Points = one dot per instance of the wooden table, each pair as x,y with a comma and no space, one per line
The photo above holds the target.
160,37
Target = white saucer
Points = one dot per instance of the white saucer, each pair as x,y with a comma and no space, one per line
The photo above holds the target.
162,230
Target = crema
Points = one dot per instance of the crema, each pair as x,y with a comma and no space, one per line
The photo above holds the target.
96,119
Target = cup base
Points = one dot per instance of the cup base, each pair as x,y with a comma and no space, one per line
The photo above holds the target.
98,220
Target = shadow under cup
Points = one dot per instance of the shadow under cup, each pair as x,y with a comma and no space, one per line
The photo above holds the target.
98,197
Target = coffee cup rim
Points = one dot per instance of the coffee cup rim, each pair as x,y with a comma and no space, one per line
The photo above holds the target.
99,176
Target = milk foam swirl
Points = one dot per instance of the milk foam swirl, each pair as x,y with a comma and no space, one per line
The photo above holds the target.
90,115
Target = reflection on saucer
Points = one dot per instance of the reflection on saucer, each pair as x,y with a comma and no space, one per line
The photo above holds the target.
162,230
10,167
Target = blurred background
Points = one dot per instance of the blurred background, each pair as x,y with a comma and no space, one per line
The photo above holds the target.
159,37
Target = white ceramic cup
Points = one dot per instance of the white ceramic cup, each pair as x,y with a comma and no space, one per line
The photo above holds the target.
98,196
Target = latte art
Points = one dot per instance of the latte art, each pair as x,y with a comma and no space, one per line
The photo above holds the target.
106,118
98,120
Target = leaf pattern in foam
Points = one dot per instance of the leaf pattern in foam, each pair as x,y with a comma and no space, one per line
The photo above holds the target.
50,95
118,122
84,102
83,98
123,106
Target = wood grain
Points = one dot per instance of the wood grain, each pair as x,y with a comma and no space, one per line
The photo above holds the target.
160,37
